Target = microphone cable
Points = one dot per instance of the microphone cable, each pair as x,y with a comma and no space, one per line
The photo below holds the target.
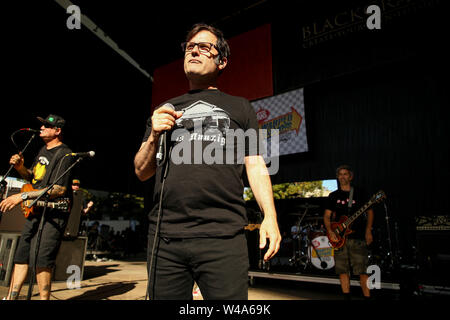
3,178
17,131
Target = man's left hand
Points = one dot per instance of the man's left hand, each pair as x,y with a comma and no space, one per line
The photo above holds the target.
269,230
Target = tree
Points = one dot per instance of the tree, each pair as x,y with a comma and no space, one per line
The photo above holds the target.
292,190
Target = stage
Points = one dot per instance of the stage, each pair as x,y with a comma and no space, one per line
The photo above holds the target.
127,280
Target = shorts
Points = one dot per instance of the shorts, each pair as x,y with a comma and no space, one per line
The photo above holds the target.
219,266
353,256
52,233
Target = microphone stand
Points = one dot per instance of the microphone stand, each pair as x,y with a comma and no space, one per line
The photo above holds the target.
388,229
41,225
3,179
298,243
151,265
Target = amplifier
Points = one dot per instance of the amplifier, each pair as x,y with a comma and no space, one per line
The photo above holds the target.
71,257
8,245
12,220
433,255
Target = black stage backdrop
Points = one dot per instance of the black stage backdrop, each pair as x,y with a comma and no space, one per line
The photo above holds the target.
374,99
389,125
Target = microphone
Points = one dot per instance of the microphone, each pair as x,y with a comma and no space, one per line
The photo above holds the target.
162,139
89,154
31,130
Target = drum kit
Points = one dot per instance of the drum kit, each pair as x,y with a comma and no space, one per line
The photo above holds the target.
310,242
306,248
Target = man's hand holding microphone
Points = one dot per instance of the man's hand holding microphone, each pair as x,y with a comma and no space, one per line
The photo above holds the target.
163,119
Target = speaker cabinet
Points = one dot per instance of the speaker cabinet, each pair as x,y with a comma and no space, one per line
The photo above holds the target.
434,257
71,254
73,224
8,245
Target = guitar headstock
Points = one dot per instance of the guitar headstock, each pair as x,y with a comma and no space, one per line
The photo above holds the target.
378,197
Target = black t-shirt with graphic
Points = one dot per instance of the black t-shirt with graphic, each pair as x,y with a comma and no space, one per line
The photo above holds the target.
337,202
203,192
42,163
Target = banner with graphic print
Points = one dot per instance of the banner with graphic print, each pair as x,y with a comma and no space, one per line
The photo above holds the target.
285,112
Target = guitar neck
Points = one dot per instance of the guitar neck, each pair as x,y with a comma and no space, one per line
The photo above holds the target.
43,204
359,212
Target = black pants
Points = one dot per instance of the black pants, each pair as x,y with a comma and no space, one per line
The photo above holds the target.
218,265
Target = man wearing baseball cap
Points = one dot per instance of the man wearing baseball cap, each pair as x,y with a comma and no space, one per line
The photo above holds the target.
50,162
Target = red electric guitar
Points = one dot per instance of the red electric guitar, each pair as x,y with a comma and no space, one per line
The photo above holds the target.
342,228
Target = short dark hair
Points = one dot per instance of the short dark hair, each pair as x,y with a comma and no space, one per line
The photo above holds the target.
344,167
222,44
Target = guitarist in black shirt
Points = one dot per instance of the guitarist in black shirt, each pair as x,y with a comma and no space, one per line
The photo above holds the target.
353,255
50,162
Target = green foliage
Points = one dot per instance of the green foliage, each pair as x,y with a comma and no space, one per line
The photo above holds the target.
293,190
116,205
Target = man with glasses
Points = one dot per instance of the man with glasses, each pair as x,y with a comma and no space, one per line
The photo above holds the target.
49,164
200,227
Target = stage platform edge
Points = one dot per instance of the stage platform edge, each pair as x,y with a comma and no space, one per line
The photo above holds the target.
313,278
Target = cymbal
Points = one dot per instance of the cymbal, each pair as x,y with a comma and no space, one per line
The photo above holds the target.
314,218
296,214
307,217
308,206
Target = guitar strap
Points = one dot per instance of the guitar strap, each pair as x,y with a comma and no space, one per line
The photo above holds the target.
350,200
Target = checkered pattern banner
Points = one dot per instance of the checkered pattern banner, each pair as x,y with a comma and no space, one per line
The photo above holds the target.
285,112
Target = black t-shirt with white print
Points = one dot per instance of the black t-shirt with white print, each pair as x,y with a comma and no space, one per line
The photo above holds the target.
42,163
203,192
337,202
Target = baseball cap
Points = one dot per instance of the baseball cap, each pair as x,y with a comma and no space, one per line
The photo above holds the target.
75,181
53,120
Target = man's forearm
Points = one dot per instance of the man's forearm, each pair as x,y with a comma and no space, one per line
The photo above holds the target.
261,186
369,223
327,221
24,173
145,159
55,192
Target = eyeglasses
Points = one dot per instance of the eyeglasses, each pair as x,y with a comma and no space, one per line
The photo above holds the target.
203,47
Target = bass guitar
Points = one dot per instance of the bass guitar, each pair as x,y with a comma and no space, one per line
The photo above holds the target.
62,204
342,229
